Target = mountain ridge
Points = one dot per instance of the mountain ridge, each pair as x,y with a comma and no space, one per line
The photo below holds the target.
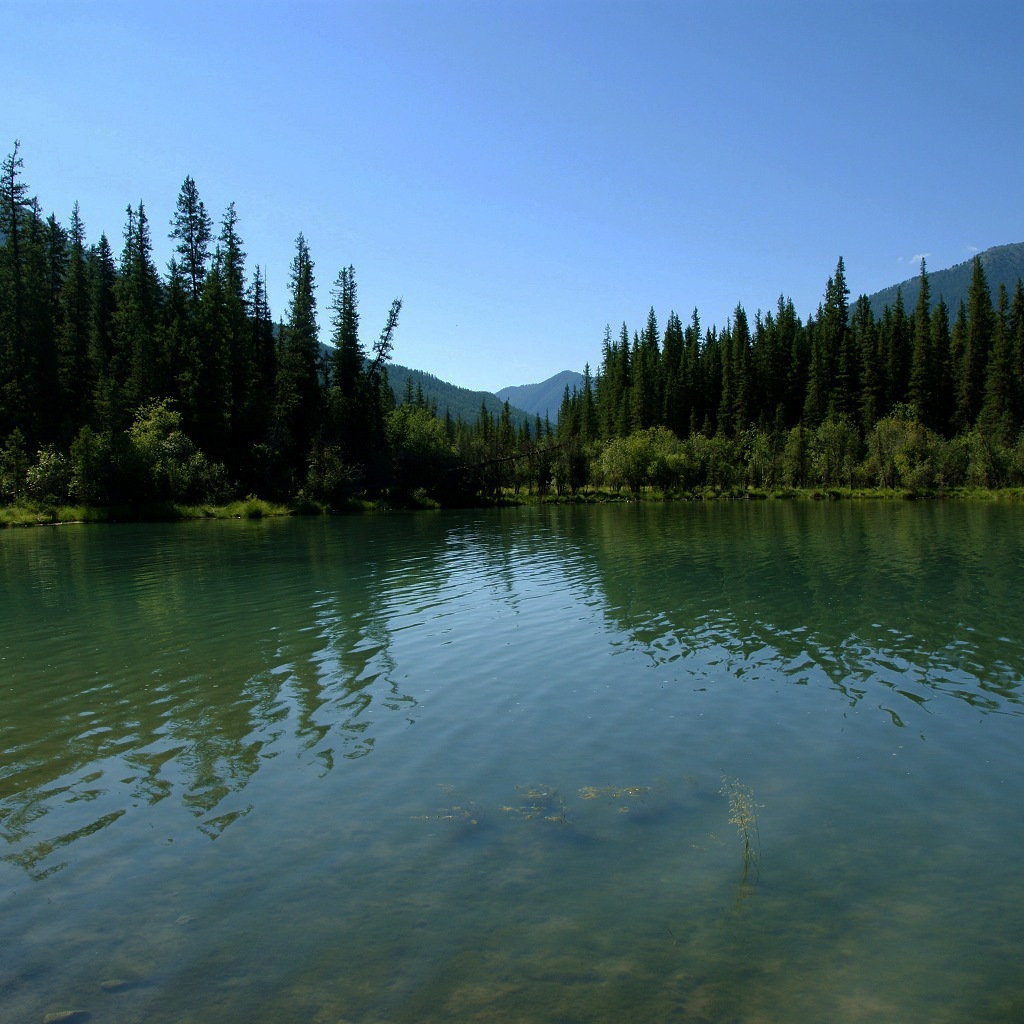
544,398
1002,264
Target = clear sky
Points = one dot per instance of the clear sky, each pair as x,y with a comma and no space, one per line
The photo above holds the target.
525,172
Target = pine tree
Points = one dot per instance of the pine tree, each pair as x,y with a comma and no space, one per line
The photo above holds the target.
871,392
348,357
831,334
957,360
1017,349
299,395
690,414
192,228
922,393
606,385
894,345
998,407
47,252
103,388
244,410
212,412
645,403
940,344
818,383
137,358
15,386
673,415
739,359
588,408
73,334
970,387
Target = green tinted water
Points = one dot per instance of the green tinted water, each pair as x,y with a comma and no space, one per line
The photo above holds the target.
482,766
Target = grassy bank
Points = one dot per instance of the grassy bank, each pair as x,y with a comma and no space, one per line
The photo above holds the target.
43,514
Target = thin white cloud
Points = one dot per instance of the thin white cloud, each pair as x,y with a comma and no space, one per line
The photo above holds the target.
973,249
920,256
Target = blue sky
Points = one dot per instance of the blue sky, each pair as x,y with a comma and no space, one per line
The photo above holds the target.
523,173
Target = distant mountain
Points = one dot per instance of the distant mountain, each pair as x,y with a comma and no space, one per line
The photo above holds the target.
542,399
460,402
1003,264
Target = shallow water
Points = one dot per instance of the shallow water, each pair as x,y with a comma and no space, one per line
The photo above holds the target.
482,766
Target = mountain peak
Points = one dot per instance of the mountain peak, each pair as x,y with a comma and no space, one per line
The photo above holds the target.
542,399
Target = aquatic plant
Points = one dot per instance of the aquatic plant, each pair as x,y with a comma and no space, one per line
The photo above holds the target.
456,815
742,814
543,802
625,793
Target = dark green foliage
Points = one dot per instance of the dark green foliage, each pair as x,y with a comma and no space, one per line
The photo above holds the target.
119,385
923,394
192,229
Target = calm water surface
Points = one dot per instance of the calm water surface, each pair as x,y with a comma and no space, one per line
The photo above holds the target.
735,762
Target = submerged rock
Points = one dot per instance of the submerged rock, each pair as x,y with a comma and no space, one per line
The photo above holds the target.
116,984
66,1017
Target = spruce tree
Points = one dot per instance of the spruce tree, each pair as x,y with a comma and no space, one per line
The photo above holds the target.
192,228
831,334
104,389
243,375
998,405
15,387
73,334
348,358
739,359
1017,349
895,347
298,390
959,418
977,344
922,392
137,359
940,345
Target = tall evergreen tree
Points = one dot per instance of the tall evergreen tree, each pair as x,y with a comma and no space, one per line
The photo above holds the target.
103,387
818,376
998,405
978,342
1017,349
348,357
739,359
73,334
299,393
244,404
957,360
192,229
15,385
923,378
831,333
940,345
672,413
137,358
871,393
645,401
894,343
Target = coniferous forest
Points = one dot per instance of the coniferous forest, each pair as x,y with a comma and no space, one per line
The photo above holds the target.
122,385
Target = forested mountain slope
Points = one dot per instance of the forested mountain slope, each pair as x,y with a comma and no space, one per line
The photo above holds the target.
461,403
1003,264
542,399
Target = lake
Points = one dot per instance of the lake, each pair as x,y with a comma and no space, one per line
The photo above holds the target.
723,762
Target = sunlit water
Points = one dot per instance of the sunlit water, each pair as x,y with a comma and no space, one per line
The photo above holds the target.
482,766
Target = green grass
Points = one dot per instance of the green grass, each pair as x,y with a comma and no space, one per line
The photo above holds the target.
44,514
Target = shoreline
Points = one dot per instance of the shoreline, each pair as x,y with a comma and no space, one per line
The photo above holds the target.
12,516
